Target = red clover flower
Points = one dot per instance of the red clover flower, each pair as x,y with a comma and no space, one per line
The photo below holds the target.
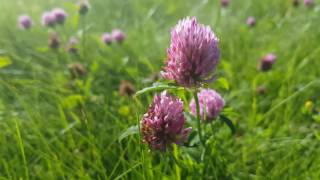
193,54
211,104
163,124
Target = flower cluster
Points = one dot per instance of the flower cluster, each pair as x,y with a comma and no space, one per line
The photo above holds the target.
193,53
192,58
51,18
116,35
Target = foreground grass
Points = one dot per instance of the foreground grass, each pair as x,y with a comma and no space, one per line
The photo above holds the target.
58,128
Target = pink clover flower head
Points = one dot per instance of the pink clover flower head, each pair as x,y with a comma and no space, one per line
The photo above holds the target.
225,3
211,104
118,35
193,54
60,15
24,22
106,38
251,21
48,19
163,124
308,3
267,61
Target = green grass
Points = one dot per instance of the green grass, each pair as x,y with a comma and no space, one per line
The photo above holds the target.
52,127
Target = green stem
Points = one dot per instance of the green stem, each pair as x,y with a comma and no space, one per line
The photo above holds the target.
83,36
24,159
195,94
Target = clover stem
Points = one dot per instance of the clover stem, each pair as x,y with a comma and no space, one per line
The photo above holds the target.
195,94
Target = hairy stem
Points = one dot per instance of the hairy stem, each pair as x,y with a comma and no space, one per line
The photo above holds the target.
195,94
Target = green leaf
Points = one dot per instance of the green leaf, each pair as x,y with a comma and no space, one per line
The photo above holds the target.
157,87
42,49
224,83
130,131
72,101
229,123
4,61
316,118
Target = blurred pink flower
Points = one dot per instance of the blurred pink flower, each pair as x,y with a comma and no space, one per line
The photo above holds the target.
163,124
60,15
106,38
48,19
24,22
193,54
251,21
309,3
118,35
211,103
225,3
267,61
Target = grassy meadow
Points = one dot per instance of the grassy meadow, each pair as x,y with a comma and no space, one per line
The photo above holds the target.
57,126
